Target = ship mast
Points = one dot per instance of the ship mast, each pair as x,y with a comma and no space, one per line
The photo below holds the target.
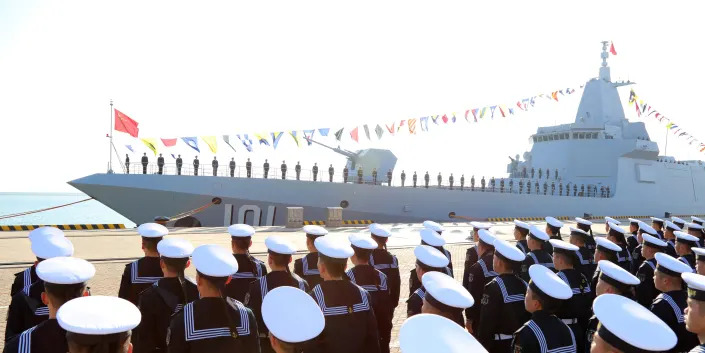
605,69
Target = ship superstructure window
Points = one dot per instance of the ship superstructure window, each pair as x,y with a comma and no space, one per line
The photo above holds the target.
594,135
575,135
581,135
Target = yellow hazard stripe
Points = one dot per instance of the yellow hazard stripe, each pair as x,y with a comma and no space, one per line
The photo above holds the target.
569,218
11,228
347,221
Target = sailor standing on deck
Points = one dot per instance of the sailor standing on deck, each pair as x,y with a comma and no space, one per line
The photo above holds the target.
25,278
536,254
544,332
579,238
266,168
385,261
280,252
127,163
428,259
670,237
195,165
297,169
214,164
351,326
145,162
232,167
657,223
695,313
249,269
306,267
27,308
445,297
141,274
502,311
479,275
331,171
521,231
64,279
283,170
160,164
315,171
179,163
346,171
292,317
645,291
684,244
248,168
414,178
472,254
214,322
166,297
616,234
553,229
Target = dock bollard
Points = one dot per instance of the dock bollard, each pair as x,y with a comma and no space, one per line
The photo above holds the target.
294,217
335,217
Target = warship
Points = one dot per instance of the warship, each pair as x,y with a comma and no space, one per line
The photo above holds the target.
600,164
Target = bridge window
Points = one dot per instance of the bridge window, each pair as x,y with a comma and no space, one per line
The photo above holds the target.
581,135
575,135
594,135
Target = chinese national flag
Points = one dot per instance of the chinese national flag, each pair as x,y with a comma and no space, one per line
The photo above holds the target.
125,124
612,50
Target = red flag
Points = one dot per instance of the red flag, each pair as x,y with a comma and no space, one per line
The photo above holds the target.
125,124
612,50
353,134
445,119
169,142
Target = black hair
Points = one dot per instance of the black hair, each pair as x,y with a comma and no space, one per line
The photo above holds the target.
610,255
427,268
569,256
548,303
554,230
515,266
280,259
220,283
380,241
361,253
621,240
64,292
336,267
585,227
523,231
242,243
151,243
178,265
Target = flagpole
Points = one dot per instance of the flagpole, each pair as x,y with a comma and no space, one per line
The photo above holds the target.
665,149
110,148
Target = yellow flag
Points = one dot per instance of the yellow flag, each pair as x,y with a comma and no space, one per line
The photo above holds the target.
151,144
211,142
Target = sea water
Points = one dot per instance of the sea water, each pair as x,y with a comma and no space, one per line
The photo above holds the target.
89,212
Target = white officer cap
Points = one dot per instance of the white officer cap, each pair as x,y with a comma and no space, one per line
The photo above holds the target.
42,232
697,219
380,231
672,226
656,220
553,222
436,227
670,265
583,221
549,283
314,231
152,230
615,275
508,251
334,248
65,270
486,237
603,244
480,225
647,229
98,316
423,333
280,245
580,232
446,290
686,238
291,315
175,248
538,234
362,241
694,226
696,285
654,242
629,327
520,224
430,256
560,245
616,228
52,246
634,220
431,237
699,253
241,230
612,220
677,220
215,261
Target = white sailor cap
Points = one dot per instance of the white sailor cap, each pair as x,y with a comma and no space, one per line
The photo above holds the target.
629,327
241,230
647,229
696,285
634,220
314,231
656,220
553,222
508,251
334,247
669,265
291,315
520,224
430,256
697,220
480,225
580,232
699,253
152,230
215,261
486,237
653,241
694,226
616,276
678,220
563,246
538,234
445,293
606,245
98,316
686,238
431,237
672,226
280,245
362,241
423,333
175,248
436,227
65,270
610,219
616,228
548,283
45,232
52,246
583,221
380,231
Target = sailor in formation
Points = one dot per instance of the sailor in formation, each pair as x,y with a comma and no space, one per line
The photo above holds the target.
350,326
27,308
678,222
657,224
521,231
445,297
214,322
249,268
536,255
580,238
428,259
280,251
480,274
645,290
696,230
670,237
632,241
438,241
604,250
28,276
386,262
375,283
293,319
142,273
433,238
553,229
472,254
166,297
637,257
586,226
684,248
265,167
425,333
64,278
695,312
699,261
616,234
307,266
502,309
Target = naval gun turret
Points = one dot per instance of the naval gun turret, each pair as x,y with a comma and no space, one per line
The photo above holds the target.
368,159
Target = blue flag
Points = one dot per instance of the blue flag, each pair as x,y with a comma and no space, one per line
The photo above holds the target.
192,142
246,141
324,132
129,147
424,123
275,138
308,135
